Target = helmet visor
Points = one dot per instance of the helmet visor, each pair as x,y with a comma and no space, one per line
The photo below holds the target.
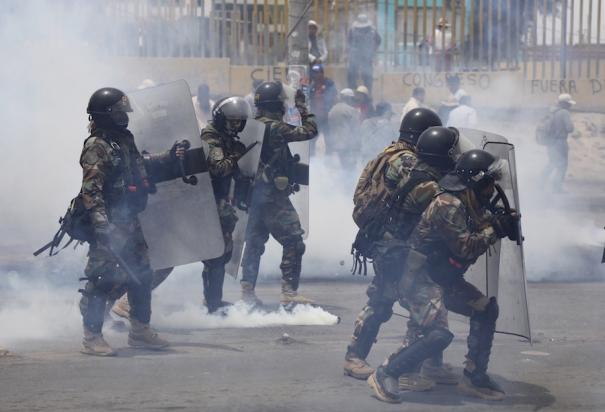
122,105
496,171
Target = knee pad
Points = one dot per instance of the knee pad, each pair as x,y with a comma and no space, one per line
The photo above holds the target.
300,247
383,313
104,283
492,310
296,245
439,337
489,313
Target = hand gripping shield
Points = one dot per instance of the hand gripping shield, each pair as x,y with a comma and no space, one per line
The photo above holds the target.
181,223
252,138
501,271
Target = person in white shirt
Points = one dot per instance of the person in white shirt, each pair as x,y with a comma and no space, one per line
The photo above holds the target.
464,115
415,102
442,46
318,52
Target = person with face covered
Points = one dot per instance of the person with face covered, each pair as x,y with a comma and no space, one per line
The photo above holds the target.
115,186
271,211
229,116
458,226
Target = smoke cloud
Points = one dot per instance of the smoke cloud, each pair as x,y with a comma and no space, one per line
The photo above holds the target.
51,68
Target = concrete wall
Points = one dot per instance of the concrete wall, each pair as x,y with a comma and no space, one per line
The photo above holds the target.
488,89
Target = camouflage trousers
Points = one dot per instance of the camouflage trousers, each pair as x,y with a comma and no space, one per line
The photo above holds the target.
429,304
421,297
107,281
273,215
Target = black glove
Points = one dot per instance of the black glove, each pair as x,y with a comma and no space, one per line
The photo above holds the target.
505,225
238,149
185,144
300,99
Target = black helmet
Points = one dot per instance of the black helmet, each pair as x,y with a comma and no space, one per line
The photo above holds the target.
269,96
473,169
438,146
109,106
230,108
417,121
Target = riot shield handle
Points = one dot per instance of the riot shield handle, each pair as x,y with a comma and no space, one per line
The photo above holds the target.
501,196
190,180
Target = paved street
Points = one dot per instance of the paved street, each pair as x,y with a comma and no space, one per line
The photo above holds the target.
256,369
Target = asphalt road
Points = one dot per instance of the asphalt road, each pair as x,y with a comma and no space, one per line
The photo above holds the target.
252,369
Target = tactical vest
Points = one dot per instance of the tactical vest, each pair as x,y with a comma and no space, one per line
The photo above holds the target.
127,185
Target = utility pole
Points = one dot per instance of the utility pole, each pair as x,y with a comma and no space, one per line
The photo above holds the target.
298,47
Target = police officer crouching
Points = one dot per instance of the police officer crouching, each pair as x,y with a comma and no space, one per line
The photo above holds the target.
458,226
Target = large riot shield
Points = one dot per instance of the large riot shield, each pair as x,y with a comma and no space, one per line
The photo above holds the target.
501,271
252,138
180,223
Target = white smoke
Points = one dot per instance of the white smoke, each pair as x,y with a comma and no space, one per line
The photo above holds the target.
50,70
241,315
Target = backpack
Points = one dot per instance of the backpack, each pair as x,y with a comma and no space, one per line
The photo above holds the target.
75,223
544,129
371,191
370,200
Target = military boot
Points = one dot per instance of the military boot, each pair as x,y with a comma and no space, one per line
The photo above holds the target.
479,385
248,295
385,386
143,336
357,368
414,382
441,374
122,308
94,344
290,296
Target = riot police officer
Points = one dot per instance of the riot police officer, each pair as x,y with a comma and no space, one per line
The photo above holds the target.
458,226
114,191
229,117
271,211
393,166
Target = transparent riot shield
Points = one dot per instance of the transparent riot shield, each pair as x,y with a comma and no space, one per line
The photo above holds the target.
180,223
501,271
297,78
252,138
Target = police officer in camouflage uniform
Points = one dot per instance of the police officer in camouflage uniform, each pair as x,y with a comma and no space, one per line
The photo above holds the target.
455,230
271,211
229,117
389,245
114,191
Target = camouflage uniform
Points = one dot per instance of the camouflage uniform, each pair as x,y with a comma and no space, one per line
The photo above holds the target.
224,151
453,233
114,190
389,253
271,211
